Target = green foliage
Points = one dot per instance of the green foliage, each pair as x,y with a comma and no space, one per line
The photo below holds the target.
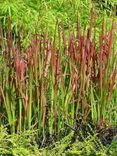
34,15
112,149
42,15
90,146
106,6
21,144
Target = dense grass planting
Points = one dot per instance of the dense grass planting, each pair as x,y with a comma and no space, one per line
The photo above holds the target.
58,78
51,83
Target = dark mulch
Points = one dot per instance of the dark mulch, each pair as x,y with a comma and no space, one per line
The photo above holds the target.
106,135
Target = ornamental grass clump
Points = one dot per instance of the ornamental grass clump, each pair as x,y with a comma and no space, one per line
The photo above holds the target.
60,79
